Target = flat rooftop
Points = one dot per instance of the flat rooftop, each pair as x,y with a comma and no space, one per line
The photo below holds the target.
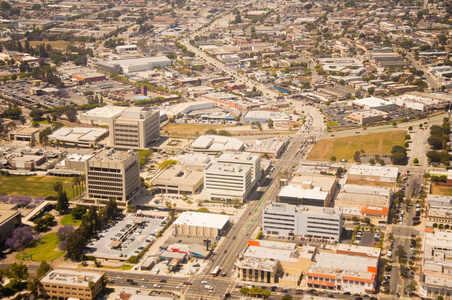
191,218
286,255
374,171
177,175
367,190
78,134
108,111
368,251
112,155
294,190
71,277
217,143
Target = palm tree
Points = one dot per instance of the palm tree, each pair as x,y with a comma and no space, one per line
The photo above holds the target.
75,183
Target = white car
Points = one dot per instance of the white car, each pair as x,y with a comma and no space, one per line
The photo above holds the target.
204,282
157,285
208,287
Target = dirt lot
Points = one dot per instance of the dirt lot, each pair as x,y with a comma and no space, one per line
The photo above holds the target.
372,183
441,190
345,148
191,129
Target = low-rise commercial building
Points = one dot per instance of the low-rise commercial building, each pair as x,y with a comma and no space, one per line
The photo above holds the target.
70,284
274,262
344,271
215,144
364,117
84,137
439,211
179,179
200,224
436,266
269,149
132,65
308,221
24,134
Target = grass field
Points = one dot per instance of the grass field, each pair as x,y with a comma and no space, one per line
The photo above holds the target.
33,186
43,250
345,148
69,220
126,267
441,190
191,129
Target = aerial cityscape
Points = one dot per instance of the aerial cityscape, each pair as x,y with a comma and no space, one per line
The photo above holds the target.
211,150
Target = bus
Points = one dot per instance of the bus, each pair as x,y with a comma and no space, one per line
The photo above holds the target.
215,271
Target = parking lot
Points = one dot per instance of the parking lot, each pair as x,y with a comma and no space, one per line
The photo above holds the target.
131,236
21,91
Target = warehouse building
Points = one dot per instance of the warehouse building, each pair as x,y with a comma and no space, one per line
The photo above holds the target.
372,103
70,284
127,66
89,77
186,108
308,221
136,128
201,224
262,116
373,173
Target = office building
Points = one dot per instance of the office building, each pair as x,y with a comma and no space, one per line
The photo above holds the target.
179,179
308,190
10,218
227,182
135,128
70,284
243,159
200,224
112,174
308,221
24,134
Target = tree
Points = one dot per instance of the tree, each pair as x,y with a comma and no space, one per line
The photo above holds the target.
21,238
78,212
286,297
203,210
270,123
16,272
244,291
5,6
64,232
410,128
333,158
415,161
36,114
43,268
357,156
355,219
167,164
76,242
339,172
211,131
224,133
62,202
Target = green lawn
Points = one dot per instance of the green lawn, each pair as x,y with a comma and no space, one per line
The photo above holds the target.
33,186
126,267
345,148
69,220
46,249
333,124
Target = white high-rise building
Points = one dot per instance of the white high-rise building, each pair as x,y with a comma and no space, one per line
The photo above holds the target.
226,182
243,159
135,128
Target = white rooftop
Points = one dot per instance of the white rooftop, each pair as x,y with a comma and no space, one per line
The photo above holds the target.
78,134
72,277
381,171
108,111
217,143
295,190
371,102
191,218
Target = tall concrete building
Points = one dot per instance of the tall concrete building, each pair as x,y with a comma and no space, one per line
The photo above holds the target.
243,159
226,182
135,128
112,174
